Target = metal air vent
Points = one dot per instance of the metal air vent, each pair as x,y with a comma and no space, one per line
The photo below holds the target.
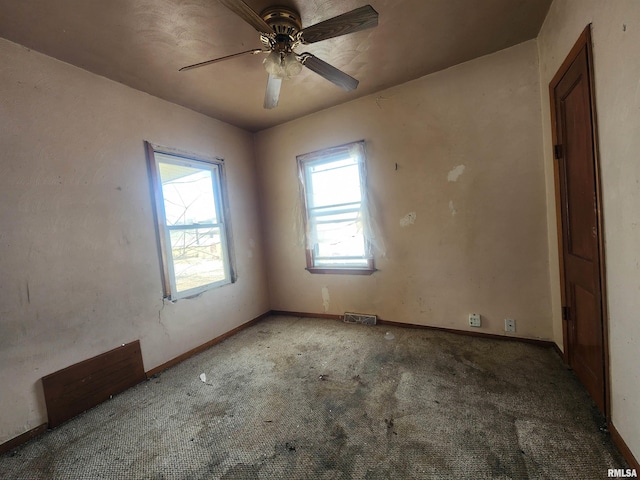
362,318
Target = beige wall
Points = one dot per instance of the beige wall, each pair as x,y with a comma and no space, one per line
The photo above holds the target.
616,36
479,243
79,271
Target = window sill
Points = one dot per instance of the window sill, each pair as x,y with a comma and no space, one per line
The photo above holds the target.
341,271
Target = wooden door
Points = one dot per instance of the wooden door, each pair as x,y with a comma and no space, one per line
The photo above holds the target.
580,220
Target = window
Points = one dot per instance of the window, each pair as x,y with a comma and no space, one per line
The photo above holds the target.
191,216
333,186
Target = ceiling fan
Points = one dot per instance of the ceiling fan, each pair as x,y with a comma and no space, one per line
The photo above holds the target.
281,31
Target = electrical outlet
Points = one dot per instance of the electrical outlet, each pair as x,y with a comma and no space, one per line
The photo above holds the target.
509,325
474,319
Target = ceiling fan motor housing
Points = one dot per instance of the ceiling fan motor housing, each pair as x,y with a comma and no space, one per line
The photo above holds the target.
286,24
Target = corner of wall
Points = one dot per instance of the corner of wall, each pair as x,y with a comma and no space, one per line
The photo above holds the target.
552,230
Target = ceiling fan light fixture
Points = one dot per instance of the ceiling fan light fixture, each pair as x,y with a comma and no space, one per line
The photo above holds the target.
273,64
282,65
292,65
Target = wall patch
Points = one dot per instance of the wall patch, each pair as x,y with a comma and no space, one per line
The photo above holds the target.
325,299
455,174
408,219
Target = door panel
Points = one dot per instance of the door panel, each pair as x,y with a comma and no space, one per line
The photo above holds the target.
579,173
578,197
586,346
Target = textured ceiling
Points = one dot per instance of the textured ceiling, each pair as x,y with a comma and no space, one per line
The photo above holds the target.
142,43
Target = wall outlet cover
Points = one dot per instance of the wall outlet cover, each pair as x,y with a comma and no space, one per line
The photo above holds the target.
474,320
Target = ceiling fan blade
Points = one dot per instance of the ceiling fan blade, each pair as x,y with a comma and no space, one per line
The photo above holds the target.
353,21
216,60
322,68
272,95
245,12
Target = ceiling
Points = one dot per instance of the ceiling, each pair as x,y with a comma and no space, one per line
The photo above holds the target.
143,43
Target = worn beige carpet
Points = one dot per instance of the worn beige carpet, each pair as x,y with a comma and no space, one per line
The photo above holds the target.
293,398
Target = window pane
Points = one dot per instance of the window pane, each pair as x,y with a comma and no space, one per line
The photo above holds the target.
340,240
331,163
336,218
188,195
198,258
335,186
345,208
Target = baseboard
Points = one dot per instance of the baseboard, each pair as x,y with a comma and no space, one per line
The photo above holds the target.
493,336
204,346
24,438
559,352
533,341
286,313
623,447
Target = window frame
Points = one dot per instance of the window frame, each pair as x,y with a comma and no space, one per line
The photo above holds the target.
214,165
328,155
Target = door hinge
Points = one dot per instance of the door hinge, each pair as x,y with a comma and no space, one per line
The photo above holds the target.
557,152
565,313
